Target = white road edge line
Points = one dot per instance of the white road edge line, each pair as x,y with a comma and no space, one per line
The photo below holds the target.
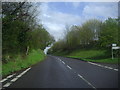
3,80
7,78
10,76
116,69
13,80
19,75
69,67
6,85
103,66
25,71
86,81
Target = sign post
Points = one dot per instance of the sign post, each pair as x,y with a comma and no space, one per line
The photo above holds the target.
112,54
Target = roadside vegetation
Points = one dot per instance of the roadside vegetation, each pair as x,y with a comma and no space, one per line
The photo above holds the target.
91,41
100,56
18,62
23,39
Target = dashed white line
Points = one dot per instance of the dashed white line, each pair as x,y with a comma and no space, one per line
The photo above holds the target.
79,74
69,67
63,62
108,67
103,66
25,71
10,76
13,80
6,85
3,80
116,69
86,81
7,78
19,75
99,65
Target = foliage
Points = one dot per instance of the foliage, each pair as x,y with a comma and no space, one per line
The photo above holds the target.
20,31
40,38
92,34
94,54
19,62
79,36
109,32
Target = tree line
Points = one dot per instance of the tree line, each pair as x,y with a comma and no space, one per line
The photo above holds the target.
93,33
20,29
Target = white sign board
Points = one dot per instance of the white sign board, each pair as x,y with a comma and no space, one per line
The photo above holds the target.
115,47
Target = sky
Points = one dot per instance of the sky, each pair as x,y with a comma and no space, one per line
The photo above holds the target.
55,16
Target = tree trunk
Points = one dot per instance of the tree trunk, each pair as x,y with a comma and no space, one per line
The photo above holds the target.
27,50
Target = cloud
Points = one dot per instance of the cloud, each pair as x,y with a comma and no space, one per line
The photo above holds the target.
55,21
103,10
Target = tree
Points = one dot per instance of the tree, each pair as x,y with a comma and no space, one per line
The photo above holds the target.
40,38
79,36
20,30
109,33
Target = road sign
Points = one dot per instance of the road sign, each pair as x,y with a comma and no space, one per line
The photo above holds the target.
115,47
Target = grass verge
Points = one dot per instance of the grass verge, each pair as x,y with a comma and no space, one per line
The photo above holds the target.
108,60
99,56
19,63
87,53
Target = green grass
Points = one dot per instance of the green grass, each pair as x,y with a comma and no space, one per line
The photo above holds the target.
108,60
93,55
19,63
87,53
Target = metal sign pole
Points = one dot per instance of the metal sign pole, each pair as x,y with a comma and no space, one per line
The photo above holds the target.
112,54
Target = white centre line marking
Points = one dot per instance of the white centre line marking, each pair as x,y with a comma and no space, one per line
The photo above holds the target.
59,59
69,67
86,81
63,62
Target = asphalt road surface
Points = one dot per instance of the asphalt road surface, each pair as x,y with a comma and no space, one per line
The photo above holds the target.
60,72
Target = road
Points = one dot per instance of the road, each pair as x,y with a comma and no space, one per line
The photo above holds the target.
61,72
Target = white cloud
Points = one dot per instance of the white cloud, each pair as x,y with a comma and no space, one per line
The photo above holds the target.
104,10
55,21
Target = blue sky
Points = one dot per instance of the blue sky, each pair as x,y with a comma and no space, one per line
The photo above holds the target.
67,7
56,15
